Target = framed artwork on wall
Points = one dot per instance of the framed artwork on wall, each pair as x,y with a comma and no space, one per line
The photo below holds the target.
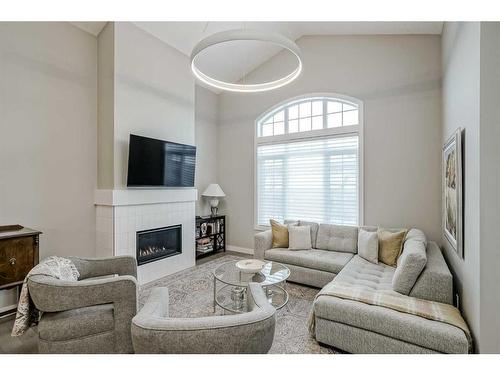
452,192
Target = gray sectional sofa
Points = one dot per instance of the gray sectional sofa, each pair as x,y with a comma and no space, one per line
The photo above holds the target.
357,327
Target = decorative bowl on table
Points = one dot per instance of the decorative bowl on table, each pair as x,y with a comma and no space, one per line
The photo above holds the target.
250,265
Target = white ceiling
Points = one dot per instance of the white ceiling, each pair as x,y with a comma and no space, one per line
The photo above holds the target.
246,58
184,35
93,28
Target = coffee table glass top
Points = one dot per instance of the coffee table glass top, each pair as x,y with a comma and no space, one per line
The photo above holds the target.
272,273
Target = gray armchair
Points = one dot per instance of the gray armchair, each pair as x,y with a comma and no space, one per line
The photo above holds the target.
91,315
252,332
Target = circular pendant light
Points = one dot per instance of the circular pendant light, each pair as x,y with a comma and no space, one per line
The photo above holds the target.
246,35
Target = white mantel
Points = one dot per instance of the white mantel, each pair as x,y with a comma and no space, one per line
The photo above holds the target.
127,197
120,214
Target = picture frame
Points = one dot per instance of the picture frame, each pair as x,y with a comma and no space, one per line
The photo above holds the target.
452,192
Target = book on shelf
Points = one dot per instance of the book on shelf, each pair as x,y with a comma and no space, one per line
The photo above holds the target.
204,245
204,249
203,241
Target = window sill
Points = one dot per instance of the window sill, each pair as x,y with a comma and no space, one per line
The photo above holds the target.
261,228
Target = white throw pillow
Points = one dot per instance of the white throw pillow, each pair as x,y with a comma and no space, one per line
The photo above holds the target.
299,237
368,245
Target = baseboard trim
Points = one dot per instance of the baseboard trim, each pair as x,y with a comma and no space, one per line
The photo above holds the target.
238,249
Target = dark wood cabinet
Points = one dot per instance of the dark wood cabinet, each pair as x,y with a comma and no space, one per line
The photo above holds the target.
18,254
210,235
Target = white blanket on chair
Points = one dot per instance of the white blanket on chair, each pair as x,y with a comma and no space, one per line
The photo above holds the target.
27,314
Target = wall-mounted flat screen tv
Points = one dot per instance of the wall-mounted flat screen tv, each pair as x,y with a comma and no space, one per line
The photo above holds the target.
157,163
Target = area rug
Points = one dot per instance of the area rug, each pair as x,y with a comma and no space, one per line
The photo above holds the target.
191,295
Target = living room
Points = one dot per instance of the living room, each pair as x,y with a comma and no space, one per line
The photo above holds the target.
295,186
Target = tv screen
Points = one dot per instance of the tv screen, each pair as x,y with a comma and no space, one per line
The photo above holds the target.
153,162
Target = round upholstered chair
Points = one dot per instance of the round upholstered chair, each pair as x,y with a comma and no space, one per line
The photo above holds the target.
251,332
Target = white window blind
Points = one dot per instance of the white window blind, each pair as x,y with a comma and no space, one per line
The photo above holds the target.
312,179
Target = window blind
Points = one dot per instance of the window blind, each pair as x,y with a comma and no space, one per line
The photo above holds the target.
314,180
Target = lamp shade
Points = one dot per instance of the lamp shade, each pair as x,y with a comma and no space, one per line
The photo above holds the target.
213,190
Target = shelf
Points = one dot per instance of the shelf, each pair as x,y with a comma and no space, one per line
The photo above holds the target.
208,236
202,255
217,225
276,296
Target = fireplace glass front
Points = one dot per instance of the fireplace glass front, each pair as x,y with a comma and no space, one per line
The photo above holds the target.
160,243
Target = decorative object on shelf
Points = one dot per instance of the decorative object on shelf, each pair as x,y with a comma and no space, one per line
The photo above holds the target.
214,191
238,297
210,235
18,255
452,192
246,35
203,229
250,265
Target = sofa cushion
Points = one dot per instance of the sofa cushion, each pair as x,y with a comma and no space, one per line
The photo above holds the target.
411,262
390,245
437,336
366,275
314,230
280,233
337,238
368,245
299,238
71,324
329,261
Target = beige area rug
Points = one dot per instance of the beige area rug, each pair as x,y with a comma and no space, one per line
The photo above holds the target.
191,295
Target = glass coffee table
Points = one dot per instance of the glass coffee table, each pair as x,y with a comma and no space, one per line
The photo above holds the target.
230,286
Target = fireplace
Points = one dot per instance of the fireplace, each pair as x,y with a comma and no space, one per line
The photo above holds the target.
159,243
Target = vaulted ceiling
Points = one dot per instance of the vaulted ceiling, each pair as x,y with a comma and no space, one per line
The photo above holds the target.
185,35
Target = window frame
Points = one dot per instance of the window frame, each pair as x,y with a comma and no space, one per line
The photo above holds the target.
312,134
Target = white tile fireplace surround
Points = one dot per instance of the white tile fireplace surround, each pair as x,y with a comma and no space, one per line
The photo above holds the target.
120,214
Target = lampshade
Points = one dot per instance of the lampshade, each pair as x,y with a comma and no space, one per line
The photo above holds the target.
213,190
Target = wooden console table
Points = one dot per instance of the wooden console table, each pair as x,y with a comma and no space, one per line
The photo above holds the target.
18,255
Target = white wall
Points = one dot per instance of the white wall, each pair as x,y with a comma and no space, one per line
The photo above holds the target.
154,93
206,119
471,92
398,78
48,133
490,187
105,106
461,85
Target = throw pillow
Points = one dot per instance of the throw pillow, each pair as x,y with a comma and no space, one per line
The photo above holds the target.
390,245
280,234
411,263
300,237
314,230
368,245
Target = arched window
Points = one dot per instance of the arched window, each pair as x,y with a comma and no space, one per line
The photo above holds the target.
308,163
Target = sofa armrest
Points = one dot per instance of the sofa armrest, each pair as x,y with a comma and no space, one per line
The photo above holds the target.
94,267
435,283
263,241
52,295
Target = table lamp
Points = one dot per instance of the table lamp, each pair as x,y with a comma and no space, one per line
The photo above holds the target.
213,191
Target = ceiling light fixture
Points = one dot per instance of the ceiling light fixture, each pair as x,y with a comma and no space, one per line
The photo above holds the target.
247,35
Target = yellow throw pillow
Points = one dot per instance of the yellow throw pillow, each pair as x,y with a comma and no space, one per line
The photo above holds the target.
280,234
390,245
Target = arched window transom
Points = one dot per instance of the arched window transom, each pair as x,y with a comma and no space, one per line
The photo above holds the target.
307,115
